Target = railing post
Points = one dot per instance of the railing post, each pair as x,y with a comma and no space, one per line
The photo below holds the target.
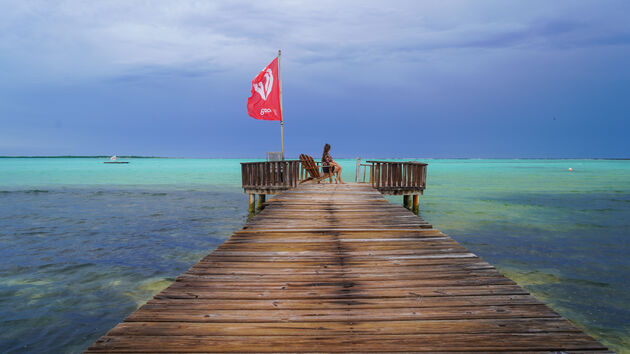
358,169
244,175
383,168
424,176
416,205
261,201
252,204
372,176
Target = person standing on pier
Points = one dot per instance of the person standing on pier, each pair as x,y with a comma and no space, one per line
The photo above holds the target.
329,163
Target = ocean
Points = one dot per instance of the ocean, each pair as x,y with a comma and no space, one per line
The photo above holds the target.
83,244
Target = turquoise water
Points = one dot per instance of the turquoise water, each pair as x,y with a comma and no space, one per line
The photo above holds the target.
83,244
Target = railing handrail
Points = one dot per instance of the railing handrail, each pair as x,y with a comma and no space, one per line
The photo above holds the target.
406,162
255,162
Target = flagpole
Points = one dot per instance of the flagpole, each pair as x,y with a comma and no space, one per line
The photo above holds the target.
281,110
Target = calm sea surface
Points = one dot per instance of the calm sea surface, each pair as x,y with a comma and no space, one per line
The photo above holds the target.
83,244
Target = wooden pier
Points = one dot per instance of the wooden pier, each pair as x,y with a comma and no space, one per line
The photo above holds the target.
331,268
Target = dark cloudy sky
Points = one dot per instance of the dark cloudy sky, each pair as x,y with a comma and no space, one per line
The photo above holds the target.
372,78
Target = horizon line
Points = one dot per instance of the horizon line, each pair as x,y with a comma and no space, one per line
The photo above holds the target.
370,158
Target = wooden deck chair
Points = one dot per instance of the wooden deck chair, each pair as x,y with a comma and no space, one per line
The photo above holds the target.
316,169
313,171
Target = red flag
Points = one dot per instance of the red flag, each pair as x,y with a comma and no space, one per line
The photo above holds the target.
265,100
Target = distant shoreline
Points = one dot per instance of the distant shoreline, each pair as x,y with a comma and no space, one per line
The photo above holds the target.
82,157
262,158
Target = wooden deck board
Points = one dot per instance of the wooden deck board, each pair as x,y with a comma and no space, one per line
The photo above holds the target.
331,268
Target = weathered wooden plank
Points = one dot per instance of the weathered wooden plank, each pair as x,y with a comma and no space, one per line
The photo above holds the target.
333,259
350,233
167,314
349,265
346,285
338,270
357,342
365,244
197,274
320,293
372,303
511,325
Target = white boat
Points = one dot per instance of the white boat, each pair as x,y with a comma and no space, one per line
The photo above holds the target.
113,159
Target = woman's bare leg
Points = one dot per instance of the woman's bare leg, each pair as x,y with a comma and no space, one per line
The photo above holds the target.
338,172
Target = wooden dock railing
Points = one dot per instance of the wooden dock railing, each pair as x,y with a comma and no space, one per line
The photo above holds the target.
269,177
406,178
398,178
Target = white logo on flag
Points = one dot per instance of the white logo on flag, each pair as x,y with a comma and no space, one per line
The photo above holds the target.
265,90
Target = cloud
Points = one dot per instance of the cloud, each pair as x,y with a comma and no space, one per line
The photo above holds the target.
76,40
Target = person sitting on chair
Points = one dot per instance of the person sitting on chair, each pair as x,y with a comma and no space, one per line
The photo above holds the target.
329,165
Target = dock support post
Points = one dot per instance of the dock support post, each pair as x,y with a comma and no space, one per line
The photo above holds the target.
252,204
416,206
358,169
261,202
407,202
